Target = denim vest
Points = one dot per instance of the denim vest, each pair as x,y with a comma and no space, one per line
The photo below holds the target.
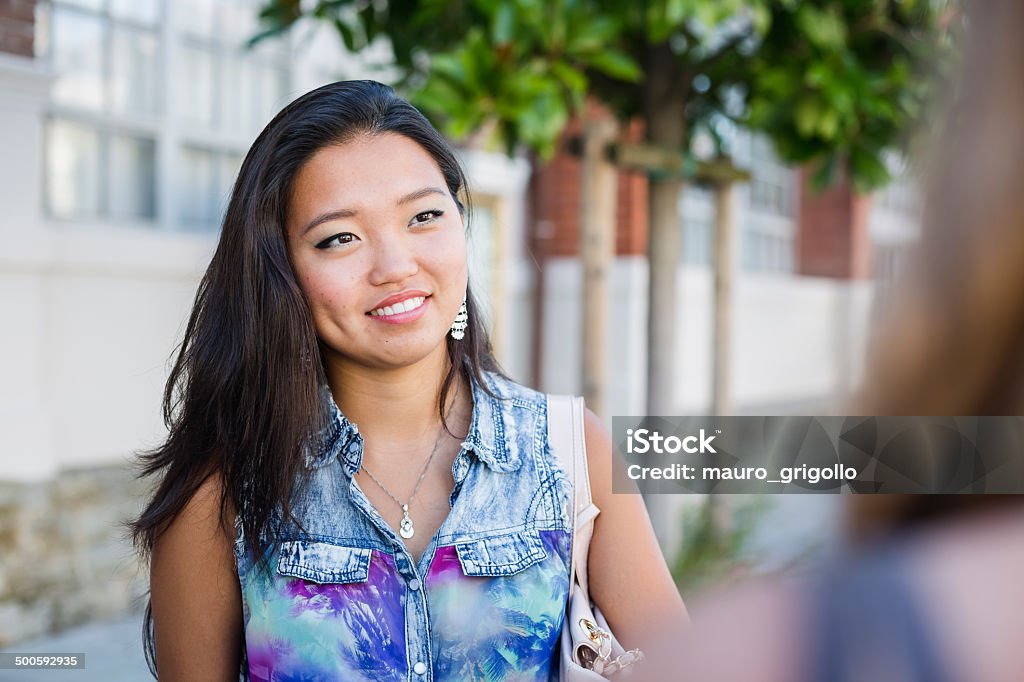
344,600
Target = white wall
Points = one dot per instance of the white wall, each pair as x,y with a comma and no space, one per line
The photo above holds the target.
626,361
794,338
24,438
90,312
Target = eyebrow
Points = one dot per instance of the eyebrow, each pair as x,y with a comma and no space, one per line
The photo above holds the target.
351,212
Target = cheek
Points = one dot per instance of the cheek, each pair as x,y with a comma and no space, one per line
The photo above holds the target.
452,255
329,292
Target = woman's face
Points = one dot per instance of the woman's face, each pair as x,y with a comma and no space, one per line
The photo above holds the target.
371,224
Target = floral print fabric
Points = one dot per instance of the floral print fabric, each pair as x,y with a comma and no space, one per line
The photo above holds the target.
503,628
482,627
302,630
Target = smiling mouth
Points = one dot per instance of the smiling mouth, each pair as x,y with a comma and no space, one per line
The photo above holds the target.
405,306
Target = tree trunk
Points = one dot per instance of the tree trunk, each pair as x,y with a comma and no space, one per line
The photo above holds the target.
664,103
597,251
665,127
721,395
718,507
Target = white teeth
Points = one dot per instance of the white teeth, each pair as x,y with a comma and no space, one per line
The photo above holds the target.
401,307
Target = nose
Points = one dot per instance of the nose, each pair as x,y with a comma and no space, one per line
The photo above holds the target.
394,260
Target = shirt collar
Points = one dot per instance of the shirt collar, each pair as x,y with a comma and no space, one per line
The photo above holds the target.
486,439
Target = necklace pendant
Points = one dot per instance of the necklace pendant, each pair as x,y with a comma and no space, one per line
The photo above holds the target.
405,528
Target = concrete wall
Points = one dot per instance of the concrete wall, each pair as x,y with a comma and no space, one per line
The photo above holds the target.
795,338
65,559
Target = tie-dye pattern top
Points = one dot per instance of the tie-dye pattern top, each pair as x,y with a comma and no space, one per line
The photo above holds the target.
344,599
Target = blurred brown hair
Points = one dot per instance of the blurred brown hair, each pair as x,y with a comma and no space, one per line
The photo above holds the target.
953,341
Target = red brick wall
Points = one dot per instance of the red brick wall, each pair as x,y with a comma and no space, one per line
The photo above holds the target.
832,234
556,201
631,231
17,26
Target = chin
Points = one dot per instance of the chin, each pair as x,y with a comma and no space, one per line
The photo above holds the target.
394,358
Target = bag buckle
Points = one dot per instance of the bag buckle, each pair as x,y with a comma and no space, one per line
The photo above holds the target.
599,659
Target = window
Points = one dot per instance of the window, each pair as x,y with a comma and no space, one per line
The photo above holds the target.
895,221
886,261
767,252
73,169
772,182
222,87
765,216
769,226
900,196
886,264
205,186
698,217
153,105
101,133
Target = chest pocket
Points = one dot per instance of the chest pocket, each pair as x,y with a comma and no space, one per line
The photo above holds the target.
501,555
322,562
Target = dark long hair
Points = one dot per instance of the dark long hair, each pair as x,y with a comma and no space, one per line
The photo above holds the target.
243,398
954,341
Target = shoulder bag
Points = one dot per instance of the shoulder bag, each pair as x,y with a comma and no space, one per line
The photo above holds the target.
588,649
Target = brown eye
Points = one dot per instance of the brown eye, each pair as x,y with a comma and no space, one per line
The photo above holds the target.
339,239
427,217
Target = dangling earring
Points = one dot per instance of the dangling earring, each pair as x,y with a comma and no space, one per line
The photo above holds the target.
461,322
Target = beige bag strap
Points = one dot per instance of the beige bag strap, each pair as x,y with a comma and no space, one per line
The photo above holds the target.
567,439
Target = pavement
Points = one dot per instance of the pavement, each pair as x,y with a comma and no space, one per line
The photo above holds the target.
113,653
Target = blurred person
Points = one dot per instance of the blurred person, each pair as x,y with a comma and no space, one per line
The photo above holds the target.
351,488
928,588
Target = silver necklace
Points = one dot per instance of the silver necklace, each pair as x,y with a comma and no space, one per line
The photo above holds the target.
406,529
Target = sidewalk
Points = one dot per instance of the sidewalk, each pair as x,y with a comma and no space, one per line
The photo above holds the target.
113,653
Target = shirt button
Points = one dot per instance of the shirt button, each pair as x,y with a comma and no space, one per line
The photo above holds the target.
414,584
420,668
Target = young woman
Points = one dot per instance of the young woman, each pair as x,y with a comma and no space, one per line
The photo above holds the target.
351,487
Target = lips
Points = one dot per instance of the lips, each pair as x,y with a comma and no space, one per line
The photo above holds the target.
403,312
397,298
406,306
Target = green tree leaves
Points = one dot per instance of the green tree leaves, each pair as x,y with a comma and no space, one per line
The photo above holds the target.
842,82
836,81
